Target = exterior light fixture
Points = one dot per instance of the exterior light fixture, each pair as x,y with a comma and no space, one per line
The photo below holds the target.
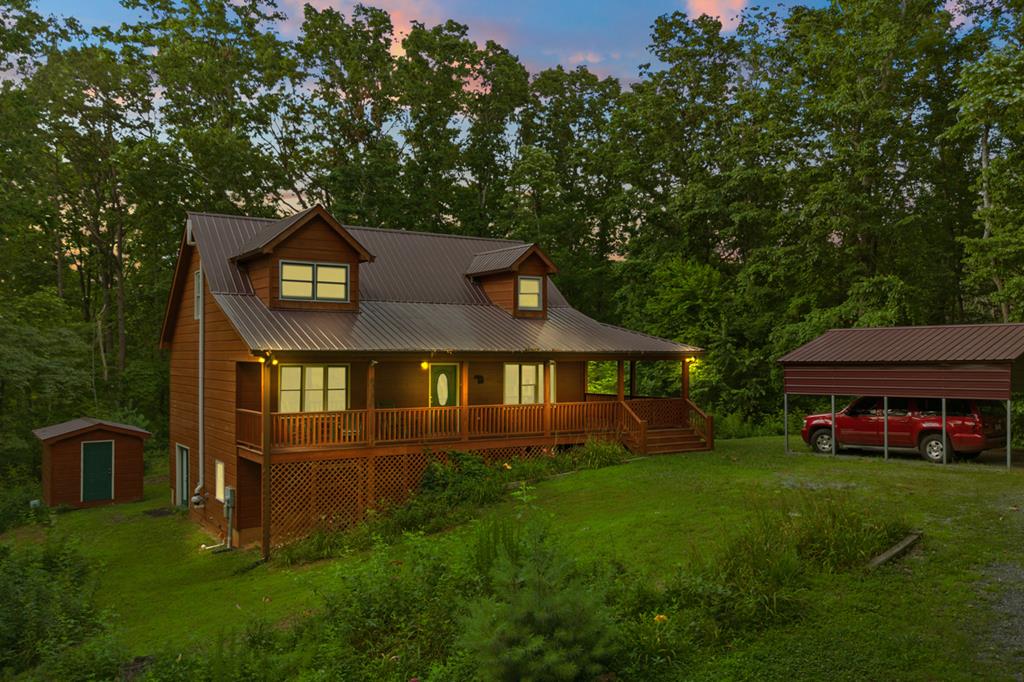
273,361
260,359
424,365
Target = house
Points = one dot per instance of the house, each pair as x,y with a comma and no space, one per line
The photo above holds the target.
318,366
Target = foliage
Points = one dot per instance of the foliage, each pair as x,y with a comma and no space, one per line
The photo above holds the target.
46,604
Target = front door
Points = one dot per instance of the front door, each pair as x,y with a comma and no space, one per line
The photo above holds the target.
861,423
97,471
444,385
182,487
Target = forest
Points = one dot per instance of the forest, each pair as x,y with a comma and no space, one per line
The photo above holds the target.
854,164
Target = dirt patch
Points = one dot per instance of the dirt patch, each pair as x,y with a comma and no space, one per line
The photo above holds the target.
1002,591
159,512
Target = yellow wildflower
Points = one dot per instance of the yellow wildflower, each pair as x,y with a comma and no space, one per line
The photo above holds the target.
508,467
660,618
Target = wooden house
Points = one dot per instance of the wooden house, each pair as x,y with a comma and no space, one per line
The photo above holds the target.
317,366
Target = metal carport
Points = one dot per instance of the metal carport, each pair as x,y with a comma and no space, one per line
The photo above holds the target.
979,361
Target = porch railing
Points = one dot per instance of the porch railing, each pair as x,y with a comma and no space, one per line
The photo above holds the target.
629,421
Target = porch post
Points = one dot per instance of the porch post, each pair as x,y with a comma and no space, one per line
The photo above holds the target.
833,425
632,379
265,468
885,427
785,420
684,378
371,403
621,385
464,400
1009,432
547,397
945,445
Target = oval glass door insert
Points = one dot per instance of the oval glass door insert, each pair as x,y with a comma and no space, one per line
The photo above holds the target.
442,389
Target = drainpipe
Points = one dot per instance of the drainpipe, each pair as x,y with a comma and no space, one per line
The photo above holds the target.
197,498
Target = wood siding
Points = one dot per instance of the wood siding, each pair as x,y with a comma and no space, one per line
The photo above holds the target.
63,459
991,381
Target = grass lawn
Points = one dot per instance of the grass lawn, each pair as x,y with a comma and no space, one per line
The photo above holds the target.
933,615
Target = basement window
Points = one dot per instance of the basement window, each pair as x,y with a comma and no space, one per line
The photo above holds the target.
530,289
218,468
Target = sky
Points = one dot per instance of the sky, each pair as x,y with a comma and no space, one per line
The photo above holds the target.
609,36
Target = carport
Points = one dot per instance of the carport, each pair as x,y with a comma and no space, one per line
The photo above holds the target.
973,361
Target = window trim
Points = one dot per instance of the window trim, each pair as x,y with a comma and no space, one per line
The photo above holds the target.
316,265
540,293
219,480
302,386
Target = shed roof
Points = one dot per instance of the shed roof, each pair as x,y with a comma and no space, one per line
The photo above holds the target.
414,296
82,425
961,343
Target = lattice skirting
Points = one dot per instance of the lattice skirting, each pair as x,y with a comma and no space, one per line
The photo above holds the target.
336,493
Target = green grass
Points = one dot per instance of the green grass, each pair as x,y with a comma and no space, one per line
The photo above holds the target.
922,618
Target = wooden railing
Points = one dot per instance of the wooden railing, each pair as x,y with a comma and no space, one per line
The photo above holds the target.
404,424
660,412
317,429
633,430
249,427
502,420
702,423
628,421
588,417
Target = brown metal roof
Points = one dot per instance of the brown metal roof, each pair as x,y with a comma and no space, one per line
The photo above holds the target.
497,260
415,296
270,230
83,424
963,343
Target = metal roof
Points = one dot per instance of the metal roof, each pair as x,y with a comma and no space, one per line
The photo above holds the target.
414,297
963,343
497,260
73,426
270,230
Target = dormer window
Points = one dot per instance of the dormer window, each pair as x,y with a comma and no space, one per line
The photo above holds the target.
530,289
314,281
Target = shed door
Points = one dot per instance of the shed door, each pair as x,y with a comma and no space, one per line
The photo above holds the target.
97,471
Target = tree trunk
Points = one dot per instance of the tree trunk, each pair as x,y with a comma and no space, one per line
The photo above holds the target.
986,205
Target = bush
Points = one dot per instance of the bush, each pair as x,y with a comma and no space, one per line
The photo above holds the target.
735,425
595,454
46,603
543,622
18,487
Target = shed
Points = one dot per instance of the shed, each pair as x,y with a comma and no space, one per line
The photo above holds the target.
980,361
89,462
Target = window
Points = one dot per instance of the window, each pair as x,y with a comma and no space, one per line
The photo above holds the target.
197,294
932,407
314,282
899,407
218,467
524,383
530,289
313,388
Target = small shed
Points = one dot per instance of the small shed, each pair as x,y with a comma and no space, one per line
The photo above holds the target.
980,361
89,462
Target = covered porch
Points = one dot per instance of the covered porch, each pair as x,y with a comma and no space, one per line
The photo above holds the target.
398,405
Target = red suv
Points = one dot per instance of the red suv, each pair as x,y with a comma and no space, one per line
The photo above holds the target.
915,424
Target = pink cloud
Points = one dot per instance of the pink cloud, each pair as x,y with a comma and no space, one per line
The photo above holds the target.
727,11
585,57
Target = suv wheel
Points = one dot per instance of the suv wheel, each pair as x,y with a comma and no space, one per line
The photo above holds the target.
821,441
932,448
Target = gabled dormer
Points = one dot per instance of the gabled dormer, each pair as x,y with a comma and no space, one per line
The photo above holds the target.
307,261
515,278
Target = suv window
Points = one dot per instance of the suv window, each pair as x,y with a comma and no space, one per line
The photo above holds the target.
864,406
991,410
899,407
954,408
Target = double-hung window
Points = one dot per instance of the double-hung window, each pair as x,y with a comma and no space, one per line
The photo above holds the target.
524,383
529,293
314,281
313,388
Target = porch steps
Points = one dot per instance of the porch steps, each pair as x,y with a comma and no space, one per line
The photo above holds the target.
667,440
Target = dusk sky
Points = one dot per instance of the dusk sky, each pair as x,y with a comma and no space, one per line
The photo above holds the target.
609,36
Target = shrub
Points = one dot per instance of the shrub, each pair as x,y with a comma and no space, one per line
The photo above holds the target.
46,603
735,425
836,535
17,488
595,454
544,622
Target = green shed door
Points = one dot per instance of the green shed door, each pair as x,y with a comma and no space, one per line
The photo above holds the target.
97,471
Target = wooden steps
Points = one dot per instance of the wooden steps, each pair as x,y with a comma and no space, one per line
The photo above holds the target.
667,440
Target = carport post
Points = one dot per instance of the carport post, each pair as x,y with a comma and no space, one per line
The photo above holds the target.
1009,431
785,419
833,424
945,448
885,427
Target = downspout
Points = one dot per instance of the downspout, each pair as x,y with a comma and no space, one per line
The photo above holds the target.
197,499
